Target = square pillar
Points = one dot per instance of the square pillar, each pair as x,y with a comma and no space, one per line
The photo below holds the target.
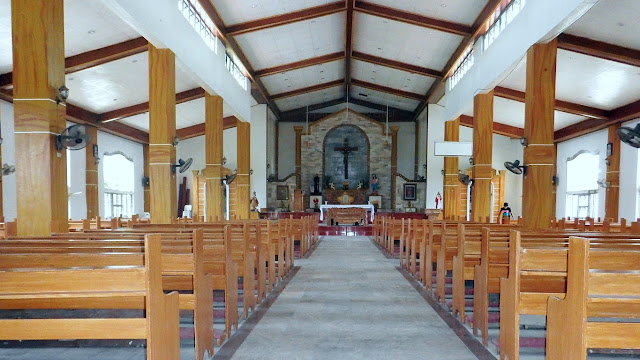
213,134
451,196
612,199
244,167
91,177
481,206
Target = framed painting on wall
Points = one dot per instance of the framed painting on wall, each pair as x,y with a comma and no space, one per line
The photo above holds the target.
409,192
282,192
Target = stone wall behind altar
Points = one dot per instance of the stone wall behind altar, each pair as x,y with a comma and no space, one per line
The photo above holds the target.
379,152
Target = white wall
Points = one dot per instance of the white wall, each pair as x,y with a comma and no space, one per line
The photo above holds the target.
286,149
435,164
507,149
406,148
8,156
108,143
77,181
628,179
596,143
259,150
271,143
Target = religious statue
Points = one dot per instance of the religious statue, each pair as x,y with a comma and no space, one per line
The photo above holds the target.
316,185
345,185
254,202
346,150
332,186
360,185
374,184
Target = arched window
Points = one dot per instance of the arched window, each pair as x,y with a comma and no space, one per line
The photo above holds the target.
582,185
118,185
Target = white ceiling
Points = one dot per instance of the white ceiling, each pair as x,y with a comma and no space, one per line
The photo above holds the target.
389,77
611,21
117,84
304,77
340,107
458,11
382,98
402,42
312,98
294,42
235,12
88,25
187,114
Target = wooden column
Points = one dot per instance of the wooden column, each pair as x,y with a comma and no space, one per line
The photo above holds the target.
539,155
147,189
394,164
162,130
213,134
482,170
277,149
91,177
298,130
612,198
451,196
38,71
244,166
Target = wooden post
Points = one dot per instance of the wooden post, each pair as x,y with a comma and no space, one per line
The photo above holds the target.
1,199
482,157
38,72
213,133
91,175
394,164
612,198
147,189
539,155
451,196
162,131
244,166
298,130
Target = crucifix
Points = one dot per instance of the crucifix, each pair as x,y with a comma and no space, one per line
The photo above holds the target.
345,150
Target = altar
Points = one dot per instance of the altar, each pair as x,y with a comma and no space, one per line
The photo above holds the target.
359,196
368,207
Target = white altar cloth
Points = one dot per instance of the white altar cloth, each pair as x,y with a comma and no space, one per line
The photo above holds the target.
369,207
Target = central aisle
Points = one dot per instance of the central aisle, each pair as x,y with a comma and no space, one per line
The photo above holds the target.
349,302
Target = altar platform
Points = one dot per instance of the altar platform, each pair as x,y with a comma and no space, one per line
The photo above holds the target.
345,230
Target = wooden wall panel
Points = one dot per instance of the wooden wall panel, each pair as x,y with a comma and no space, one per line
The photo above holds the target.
243,180
213,133
482,156
162,130
451,196
540,154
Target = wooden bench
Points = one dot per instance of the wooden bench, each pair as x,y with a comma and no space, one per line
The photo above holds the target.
601,283
64,286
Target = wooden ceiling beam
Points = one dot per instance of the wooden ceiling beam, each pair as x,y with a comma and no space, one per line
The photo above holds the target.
230,42
93,58
392,110
411,18
388,90
599,49
479,27
284,19
301,64
396,65
142,108
563,106
498,128
198,130
309,89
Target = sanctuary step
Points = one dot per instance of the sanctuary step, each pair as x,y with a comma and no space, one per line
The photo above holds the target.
346,230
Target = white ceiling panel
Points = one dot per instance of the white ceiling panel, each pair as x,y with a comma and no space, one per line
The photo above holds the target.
304,77
403,42
354,107
390,77
510,112
88,25
611,21
458,11
235,12
381,98
117,84
187,114
312,98
294,42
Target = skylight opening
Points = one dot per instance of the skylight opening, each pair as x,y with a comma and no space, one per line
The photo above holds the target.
236,72
463,65
500,20
200,21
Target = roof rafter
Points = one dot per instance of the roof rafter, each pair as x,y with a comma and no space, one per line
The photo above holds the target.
283,19
387,90
563,106
396,65
198,130
94,57
301,64
498,128
142,108
309,89
599,49
411,18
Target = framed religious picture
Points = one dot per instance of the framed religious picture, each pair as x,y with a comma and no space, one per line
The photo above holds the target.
409,192
282,192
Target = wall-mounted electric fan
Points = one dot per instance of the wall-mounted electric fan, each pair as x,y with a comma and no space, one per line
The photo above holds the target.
229,178
603,183
515,167
8,169
630,136
182,165
74,137
464,179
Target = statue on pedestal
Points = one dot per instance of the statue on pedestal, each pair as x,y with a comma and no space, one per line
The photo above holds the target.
254,202
316,185
374,184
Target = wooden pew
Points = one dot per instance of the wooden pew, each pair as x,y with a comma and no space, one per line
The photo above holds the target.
601,283
66,287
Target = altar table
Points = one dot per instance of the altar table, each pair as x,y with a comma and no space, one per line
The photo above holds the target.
369,207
